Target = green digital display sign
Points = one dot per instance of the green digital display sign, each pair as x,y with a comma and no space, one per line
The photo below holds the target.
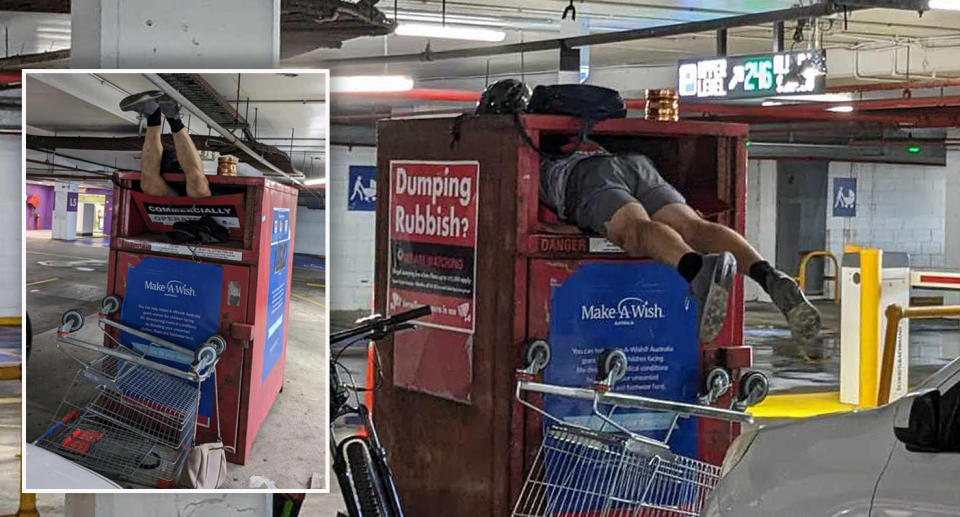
765,75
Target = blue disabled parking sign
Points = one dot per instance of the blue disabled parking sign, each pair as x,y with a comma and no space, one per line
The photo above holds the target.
845,197
362,189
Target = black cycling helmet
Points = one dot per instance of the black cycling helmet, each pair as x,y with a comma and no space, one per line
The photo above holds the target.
504,97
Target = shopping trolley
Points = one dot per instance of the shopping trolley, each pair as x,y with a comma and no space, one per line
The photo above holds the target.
126,415
608,470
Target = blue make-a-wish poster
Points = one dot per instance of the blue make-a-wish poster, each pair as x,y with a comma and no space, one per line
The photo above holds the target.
277,290
177,300
645,310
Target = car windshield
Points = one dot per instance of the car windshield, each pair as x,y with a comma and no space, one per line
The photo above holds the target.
949,373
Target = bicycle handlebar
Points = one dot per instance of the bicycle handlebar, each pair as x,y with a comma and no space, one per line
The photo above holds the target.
381,324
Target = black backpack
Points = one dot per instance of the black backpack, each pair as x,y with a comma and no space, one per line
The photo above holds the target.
591,103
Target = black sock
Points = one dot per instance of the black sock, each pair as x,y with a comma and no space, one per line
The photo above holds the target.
154,119
760,271
690,265
175,124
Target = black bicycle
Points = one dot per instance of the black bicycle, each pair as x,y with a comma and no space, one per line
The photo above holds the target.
359,460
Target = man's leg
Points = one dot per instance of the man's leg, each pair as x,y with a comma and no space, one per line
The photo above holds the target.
708,237
710,276
187,155
631,228
600,196
151,182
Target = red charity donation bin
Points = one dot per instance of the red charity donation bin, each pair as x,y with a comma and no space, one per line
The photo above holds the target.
460,228
238,289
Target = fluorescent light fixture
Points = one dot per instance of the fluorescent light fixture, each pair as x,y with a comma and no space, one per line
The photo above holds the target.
371,83
822,97
315,181
841,109
772,103
950,5
433,30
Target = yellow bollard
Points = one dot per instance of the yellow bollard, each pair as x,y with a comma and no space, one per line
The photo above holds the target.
869,324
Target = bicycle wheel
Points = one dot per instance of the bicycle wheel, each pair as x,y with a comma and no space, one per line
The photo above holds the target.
366,485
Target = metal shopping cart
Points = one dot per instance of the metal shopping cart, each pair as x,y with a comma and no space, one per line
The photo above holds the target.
610,471
126,415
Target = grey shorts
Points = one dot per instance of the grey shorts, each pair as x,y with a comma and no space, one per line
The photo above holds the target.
600,185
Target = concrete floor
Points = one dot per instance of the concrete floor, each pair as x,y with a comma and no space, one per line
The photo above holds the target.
794,368
62,276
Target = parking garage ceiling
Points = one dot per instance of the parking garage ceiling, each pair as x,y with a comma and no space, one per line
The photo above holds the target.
283,116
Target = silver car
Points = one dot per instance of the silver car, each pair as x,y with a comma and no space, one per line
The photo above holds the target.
899,460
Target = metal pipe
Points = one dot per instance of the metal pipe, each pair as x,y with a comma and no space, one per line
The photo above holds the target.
816,10
940,83
634,401
189,106
67,167
895,313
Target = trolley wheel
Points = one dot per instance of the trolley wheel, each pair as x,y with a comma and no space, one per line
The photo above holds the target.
612,362
110,304
367,487
754,387
537,354
71,320
718,381
205,352
218,343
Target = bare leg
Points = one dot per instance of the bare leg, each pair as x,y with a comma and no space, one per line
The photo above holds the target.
802,316
708,237
151,182
189,158
631,229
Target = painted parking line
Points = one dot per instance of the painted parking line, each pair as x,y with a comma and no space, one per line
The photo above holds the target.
304,298
61,255
311,284
42,281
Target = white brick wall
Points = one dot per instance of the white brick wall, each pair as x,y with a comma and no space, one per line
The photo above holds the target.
351,254
899,208
311,234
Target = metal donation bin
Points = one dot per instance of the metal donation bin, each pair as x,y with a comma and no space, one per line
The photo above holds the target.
184,293
460,227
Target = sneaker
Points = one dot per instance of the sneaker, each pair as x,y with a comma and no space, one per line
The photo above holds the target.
802,316
711,289
144,103
169,107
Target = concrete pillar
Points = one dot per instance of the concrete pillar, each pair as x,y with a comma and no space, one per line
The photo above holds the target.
65,196
86,216
574,65
175,34
12,208
761,228
952,216
163,505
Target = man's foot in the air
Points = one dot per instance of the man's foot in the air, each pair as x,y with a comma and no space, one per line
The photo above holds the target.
169,107
711,288
802,316
145,103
